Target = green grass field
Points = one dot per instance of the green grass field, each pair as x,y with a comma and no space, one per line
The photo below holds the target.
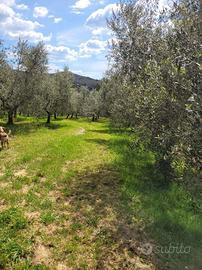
75,196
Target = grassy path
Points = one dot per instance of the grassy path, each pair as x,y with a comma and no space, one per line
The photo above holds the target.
72,197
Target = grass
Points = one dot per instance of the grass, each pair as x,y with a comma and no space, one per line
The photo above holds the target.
74,195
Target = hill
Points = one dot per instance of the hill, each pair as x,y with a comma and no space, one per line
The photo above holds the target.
85,81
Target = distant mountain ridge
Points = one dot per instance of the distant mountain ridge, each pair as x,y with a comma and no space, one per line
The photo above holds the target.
88,82
85,81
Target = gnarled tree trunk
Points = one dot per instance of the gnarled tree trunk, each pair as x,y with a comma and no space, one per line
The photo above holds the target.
10,117
48,117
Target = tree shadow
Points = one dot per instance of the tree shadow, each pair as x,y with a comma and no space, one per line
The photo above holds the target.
98,141
95,198
106,131
23,128
164,212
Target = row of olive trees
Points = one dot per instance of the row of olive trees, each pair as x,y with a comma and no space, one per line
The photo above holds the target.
21,71
54,96
27,88
154,84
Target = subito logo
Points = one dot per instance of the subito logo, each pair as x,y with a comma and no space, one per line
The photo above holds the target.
146,249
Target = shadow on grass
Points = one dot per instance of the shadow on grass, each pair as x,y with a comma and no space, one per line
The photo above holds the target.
23,128
165,213
107,131
95,198
98,141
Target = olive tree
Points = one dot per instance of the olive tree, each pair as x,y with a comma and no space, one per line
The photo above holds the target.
156,62
64,88
20,75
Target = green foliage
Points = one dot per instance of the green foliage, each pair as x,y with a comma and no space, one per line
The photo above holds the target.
154,83
21,77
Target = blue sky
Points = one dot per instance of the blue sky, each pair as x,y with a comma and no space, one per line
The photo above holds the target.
74,31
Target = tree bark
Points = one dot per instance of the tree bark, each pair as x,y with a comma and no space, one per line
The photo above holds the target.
48,118
55,115
10,118
72,115
93,118
67,116
15,114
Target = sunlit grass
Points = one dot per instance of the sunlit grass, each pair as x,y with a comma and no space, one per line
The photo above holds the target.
83,195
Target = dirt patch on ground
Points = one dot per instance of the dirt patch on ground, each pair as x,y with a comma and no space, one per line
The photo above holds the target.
3,185
20,173
55,195
51,229
61,266
25,189
33,215
95,203
41,255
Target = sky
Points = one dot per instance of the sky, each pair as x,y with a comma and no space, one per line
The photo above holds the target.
74,31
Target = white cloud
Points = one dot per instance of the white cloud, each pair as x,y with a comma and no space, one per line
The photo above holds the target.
40,12
14,26
98,31
80,5
57,20
11,3
98,17
18,24
102,2
96,22
84,50
92,47
30,35
62,51
22,7
72,36
5,11
52,68
8,2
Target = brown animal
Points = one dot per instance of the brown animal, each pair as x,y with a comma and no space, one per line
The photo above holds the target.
4,137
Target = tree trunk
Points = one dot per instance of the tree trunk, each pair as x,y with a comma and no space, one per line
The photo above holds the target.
67,116
55,115
72,115
15,114
93,118
48,118
10,118
76,115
